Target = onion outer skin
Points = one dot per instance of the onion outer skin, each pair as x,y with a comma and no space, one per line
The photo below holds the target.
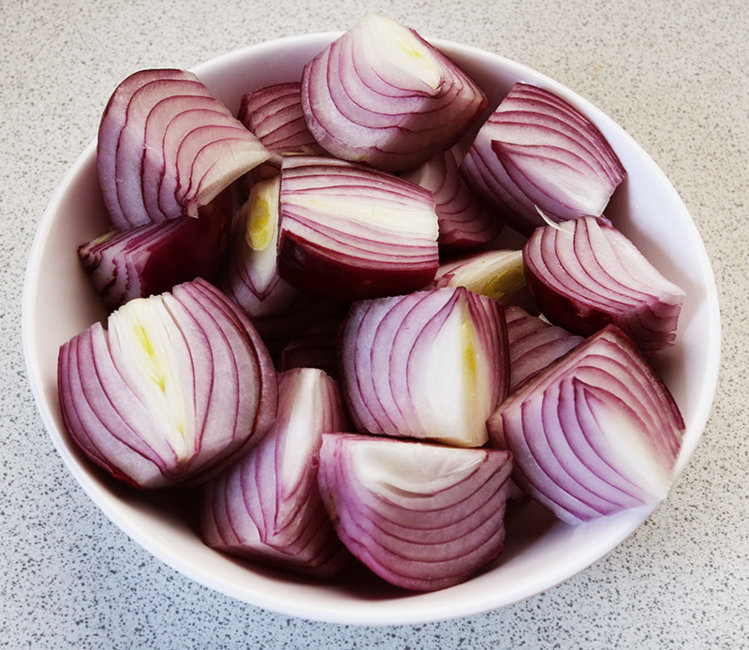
266,507
363,105
349,232
595,433
585,274
537,152
419,529
120,421
429,365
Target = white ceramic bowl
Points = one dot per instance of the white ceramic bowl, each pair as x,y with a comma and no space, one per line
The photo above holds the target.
540,551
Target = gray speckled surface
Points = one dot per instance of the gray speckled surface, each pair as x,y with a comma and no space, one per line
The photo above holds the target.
674,74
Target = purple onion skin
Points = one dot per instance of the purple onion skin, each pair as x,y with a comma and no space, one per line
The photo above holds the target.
566,457
191,248
106,418
416,541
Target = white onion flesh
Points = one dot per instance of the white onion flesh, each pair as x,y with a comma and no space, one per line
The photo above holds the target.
266,507
421,516
595,433
179,385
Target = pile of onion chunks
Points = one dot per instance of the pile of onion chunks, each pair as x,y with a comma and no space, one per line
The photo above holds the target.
350,364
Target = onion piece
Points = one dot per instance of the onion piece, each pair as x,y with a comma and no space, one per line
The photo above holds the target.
498,274
533,344
585,274
178,386
421,516
464,220
252,278
274,114
430,365
537,152
382,95
166,147
266,507
351,232
595,433
151,259
316,347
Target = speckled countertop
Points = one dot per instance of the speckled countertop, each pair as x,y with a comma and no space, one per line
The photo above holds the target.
673,73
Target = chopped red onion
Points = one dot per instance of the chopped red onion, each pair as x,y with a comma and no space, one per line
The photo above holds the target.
166,147
585,273
421,516
430,364
382,95
178,386
539,154
351,232
266,507
595,433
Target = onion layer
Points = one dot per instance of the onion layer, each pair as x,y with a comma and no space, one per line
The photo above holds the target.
585,274
538,152
382,95
351,232
422,517
166,147
178,386
430,364
595,433
267,507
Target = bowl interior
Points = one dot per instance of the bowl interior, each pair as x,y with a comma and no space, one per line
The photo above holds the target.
540,551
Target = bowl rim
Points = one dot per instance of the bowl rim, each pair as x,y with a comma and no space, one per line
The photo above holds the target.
396,613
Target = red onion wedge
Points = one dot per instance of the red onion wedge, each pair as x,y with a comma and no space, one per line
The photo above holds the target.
538,152
430,365
252,278
382,95
350,232
465,221
585,274
595,433
274,114
166,147
533,344
151,259
178,385
497,273
266,507
421,516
